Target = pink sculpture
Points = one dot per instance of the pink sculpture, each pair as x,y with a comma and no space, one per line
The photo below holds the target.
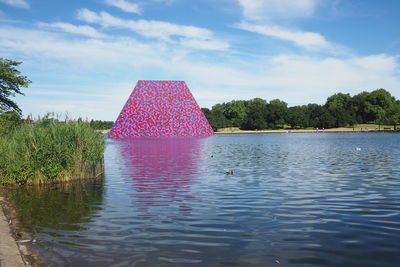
161,108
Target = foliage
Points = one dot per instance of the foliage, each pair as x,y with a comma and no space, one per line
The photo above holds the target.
340,107
393,114
101,125
255,118
217,117
49,150
276,113
11,82
298,116
9,121
340,110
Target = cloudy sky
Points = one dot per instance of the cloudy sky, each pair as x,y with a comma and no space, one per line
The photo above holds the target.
84,57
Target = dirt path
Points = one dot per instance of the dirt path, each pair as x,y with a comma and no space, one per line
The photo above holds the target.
9,252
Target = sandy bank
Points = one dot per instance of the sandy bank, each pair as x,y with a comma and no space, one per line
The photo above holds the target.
9,253
334,130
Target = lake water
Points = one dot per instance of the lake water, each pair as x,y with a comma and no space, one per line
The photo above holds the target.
328,199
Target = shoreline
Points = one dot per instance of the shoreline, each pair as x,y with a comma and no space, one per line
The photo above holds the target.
334,130
12,253
16,242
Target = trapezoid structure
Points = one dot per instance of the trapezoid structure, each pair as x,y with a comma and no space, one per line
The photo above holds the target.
161,108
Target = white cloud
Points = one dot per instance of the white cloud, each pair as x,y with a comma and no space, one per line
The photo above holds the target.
194,37
84,30
205,44
307,40
124,5
318,78
277,9
292,78
41,44
16,3
149,28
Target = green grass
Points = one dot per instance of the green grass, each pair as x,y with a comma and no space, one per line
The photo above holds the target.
373,126
49,151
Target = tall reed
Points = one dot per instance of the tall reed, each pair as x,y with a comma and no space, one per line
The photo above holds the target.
50,150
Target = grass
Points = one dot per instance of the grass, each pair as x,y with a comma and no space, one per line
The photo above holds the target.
357,127
49,151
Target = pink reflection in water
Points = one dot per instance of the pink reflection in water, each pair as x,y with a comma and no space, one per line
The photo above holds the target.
160,172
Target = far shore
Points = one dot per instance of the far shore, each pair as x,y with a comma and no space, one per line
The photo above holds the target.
332,130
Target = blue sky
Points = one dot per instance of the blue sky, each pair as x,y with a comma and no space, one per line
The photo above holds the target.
84,57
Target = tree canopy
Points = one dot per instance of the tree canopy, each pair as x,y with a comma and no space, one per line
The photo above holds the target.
339,110
11,82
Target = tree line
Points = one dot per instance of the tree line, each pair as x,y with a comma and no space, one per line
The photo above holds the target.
339,110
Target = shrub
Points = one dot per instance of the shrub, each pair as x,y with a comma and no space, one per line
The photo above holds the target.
49,150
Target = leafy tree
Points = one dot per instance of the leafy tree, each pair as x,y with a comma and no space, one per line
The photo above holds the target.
393,114
298,116
360,106
217,118
11,82
255,115
101,125
326,120
341,108
378,103
235,112
314,111
276,113
9,121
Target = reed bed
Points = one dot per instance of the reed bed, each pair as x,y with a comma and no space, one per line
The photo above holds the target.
50,151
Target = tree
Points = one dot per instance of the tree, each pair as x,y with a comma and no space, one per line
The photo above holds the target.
11,82
298,116
340,107
9,121
235,112
360,105
393,114
216,117
255,115
379,102
276,111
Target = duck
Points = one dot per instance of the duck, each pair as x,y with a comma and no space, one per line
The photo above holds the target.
230,172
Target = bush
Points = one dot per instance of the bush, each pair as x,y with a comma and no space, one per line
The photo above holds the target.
49,150
9,121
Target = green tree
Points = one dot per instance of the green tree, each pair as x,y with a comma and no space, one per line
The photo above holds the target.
9,121
235,112
393,114
320,117
298,116
11,82
378,104
341,108
275,113
255,115
360,105
217,118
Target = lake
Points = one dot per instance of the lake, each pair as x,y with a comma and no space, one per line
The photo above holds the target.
312,199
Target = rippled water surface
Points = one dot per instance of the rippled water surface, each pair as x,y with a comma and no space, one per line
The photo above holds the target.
228,200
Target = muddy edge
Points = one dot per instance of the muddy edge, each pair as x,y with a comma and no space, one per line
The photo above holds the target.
16,242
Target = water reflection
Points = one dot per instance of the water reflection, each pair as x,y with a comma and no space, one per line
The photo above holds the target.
160,173
294,199
59,210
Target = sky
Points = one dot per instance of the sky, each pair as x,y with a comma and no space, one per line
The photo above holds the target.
85,57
